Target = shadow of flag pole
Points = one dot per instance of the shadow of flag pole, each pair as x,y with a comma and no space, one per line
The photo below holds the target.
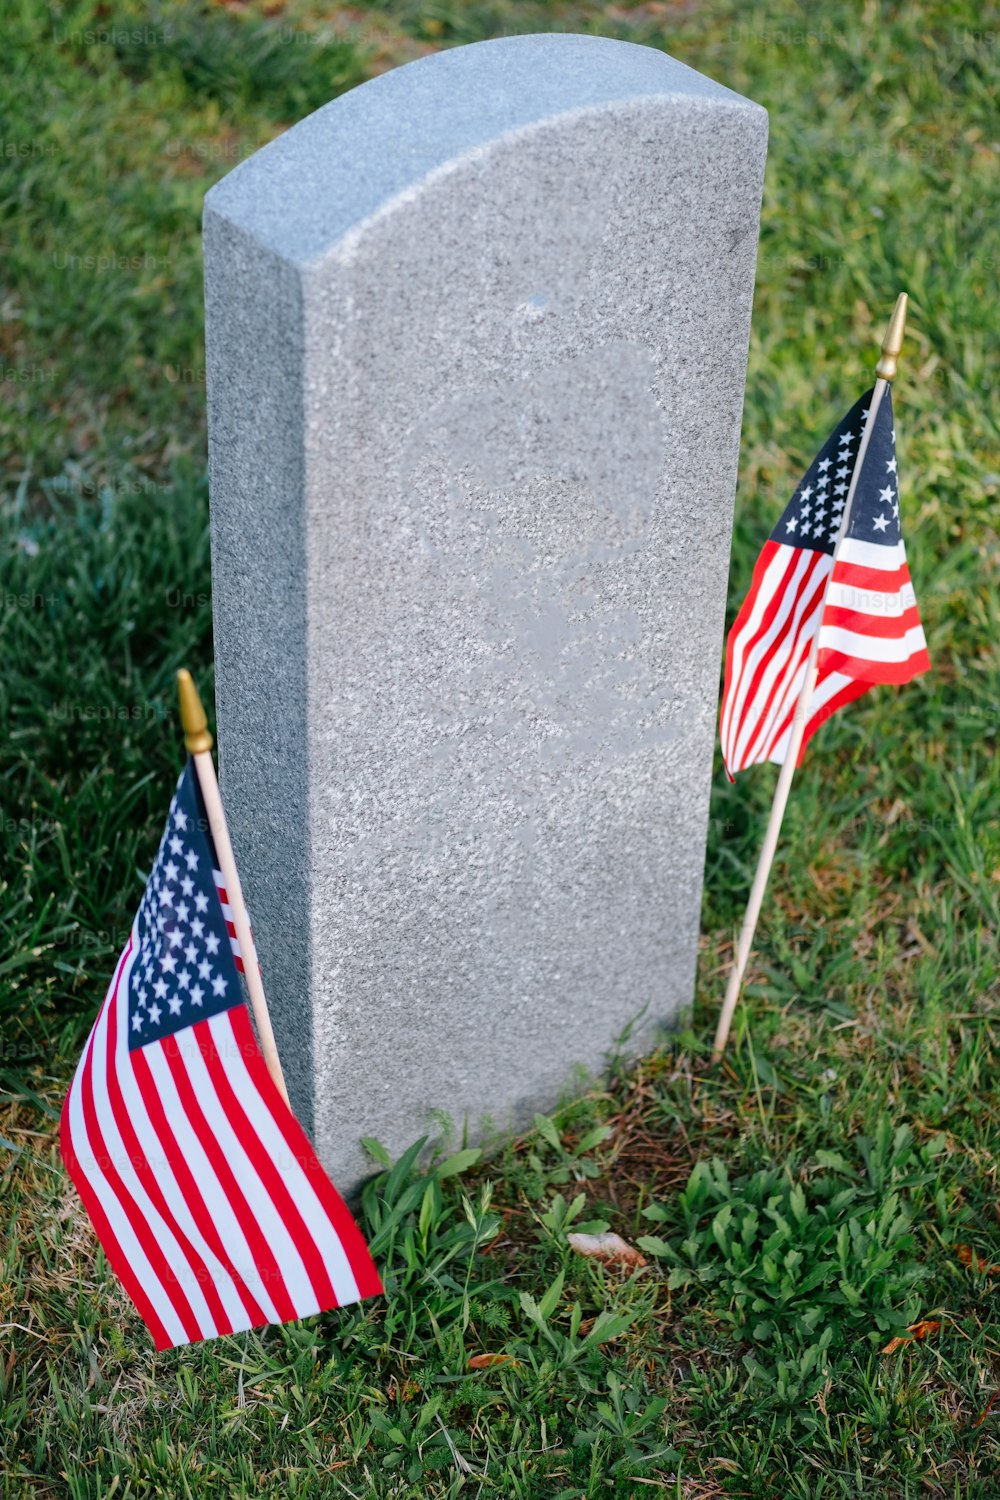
199,743
885,370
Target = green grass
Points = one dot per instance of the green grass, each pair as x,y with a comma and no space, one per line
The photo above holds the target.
836,1180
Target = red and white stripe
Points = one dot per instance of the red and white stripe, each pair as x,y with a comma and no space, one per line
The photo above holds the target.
767,651
869,632
871,629
210,1203
227,912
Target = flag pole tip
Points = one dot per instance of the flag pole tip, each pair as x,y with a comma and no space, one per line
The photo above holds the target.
893,341
193,719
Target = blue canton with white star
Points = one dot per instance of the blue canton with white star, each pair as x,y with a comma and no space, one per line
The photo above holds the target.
184,968
875,512
813,515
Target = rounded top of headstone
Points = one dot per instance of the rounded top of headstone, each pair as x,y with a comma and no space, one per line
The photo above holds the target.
301,194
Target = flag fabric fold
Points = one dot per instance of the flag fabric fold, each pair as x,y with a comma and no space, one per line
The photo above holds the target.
210,1203
858,595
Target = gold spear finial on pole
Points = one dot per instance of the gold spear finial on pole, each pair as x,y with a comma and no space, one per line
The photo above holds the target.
193,719
893,341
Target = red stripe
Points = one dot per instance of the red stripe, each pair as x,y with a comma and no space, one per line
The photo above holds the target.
767,555
263,1163
760,567
263,1256
865,670
847,693
138,1222
785,715
777,733
116,1257
854,575
113,1251
739,699
187,1183
883,627
147,1177
797,642
798,645
347,1231
787,710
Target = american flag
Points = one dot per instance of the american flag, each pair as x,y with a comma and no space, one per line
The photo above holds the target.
212,1208
869,629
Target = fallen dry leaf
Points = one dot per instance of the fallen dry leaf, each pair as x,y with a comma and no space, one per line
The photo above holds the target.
611,1249
969,1258
986,1409
916,1331
486,1361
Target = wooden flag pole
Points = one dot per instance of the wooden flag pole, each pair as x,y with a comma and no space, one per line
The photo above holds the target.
199,742
885,371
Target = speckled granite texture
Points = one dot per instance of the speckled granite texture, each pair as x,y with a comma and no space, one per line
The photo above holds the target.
477,338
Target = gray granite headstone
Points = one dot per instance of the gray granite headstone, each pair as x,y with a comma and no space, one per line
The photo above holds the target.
477,338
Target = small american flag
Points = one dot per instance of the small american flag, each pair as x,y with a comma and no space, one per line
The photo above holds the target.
212,1208
869,629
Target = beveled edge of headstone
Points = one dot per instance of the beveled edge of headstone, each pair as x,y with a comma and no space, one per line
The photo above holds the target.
300,195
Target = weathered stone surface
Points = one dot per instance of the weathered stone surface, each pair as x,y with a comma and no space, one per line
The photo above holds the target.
477,341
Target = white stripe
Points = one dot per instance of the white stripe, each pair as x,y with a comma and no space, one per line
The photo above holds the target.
873,647
316,1218
886,606
782,563
234,1241
826,689
168,1243
227,911
783,666
870,555
782,675
261,1205
787,625
770,582
786,662
156,1154
788,697
791,693
782,587
109,1201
